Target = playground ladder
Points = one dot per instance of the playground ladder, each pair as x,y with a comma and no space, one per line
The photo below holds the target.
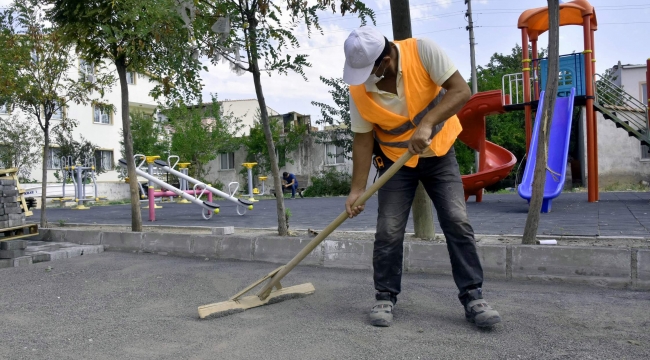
622,108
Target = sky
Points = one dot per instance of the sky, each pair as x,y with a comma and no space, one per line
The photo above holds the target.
623,25
623,28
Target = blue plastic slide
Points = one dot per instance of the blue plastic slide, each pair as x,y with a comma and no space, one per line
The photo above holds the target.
558,151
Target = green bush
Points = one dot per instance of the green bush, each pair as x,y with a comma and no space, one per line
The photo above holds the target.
329,183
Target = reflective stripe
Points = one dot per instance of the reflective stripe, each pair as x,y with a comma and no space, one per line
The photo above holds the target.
409,125
405,144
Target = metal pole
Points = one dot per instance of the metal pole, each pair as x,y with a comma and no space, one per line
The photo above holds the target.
250,182
472,54
152,202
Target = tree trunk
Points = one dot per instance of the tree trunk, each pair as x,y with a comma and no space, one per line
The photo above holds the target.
539,179
264,115
136,215
423,215
422,207
46,150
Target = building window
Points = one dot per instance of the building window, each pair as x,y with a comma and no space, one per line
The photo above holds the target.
101,116
130,77
4,109
104,160
54,158
86,71
334,154
644,93
57,112
228,161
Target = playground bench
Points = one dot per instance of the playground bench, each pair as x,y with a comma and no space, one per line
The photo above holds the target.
302,182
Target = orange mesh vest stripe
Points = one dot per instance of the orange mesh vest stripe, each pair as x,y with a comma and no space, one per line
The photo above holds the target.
393,131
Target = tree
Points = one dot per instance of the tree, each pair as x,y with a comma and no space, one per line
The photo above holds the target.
257,28
201,132
286,141
19,142
149,135
539,176
336,117
144,36
34,73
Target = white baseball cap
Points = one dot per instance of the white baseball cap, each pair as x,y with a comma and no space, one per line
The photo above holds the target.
362,47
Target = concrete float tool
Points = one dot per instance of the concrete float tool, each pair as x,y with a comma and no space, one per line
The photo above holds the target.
267,295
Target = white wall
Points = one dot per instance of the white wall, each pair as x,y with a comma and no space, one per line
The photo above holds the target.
105,136
245,110
631,80
619,155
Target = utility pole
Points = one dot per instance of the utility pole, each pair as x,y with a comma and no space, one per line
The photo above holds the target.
422,208
472,54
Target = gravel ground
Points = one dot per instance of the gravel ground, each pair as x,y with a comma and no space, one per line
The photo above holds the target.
141,306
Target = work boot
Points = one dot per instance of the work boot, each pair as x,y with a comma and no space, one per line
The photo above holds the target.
477,310
381,313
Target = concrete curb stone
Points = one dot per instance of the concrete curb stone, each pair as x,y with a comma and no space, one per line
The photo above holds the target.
599,265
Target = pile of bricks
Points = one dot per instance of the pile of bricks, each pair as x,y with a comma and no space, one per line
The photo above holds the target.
12,254
11,214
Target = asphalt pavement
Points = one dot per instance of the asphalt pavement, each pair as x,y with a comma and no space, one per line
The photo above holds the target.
616,214
142,306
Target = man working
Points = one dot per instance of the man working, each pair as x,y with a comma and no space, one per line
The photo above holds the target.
291,183
404,96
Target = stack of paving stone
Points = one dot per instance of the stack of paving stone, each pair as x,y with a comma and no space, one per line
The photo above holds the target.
12,253
11,214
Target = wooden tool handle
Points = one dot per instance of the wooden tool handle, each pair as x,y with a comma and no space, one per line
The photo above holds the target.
266,290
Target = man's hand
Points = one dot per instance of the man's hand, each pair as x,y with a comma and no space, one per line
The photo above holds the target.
356,210
420,140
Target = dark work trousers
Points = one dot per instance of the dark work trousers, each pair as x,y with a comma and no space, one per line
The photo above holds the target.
440,177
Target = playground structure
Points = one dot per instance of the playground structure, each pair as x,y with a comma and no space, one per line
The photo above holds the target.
558,150
593,92
79,174
199,188
522,91
249,167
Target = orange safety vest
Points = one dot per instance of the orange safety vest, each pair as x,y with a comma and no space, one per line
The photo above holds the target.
393,131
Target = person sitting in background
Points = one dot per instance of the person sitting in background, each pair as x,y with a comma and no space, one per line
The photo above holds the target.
291,183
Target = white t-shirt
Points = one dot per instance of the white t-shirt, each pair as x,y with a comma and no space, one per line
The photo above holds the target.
437,64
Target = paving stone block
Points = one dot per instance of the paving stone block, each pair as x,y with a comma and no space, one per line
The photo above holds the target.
226,230
3,217
2,212
570,262
236,247
8,199
83,237
122,240
8,182
20,216
493,259
643,265
4,224
9,191
348,254
58,255
205,245
6,263
278,249
428,257
22,261
169,243
13,245
11,254
40,256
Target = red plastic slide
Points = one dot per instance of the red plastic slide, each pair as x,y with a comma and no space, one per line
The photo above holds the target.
495,162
